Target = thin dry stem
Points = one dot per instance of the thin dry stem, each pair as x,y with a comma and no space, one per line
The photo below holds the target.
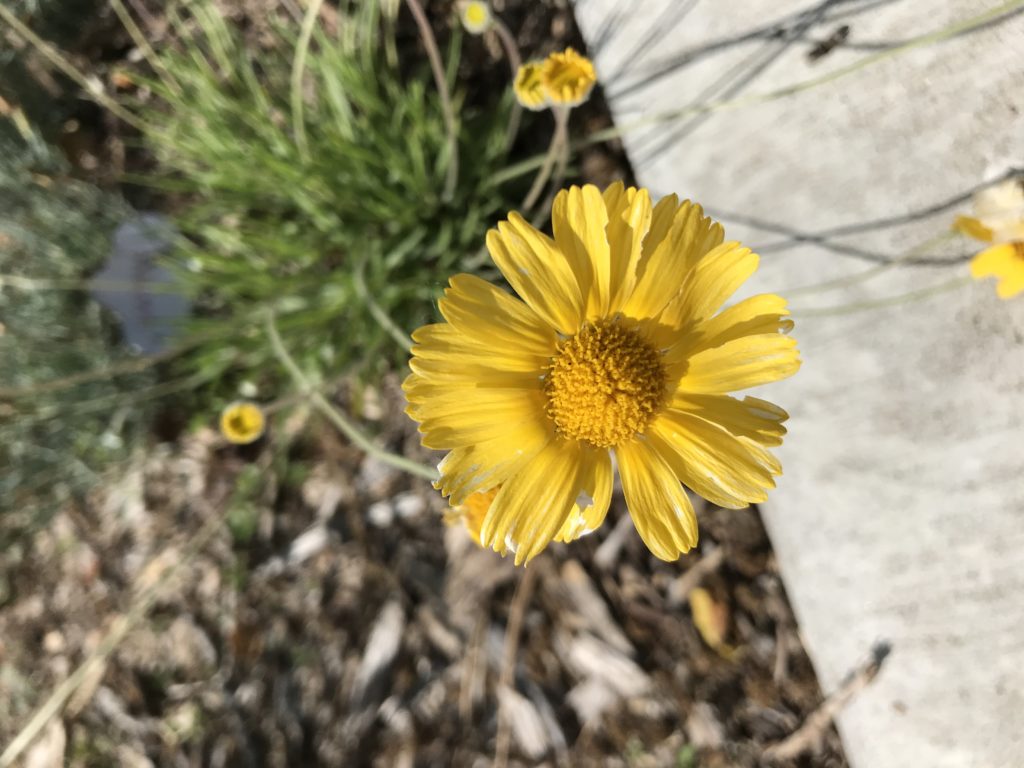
335,416
810,736
515,60
437,66
516,612
557,149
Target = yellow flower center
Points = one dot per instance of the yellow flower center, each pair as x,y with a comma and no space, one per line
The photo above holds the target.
476,13
604,385
242,423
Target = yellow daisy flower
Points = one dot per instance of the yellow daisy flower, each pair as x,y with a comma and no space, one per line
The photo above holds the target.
568,78
476,17
615,346
998,219
472,512
529,88
242,423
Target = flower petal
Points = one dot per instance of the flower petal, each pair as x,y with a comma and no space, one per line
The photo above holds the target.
579,220
709,284
690,236
659,506
741,363
662,218
595,496
752,418
443,341
972,227
485,312
532,507
538,272
481,466
469,375
758,315
729,471
629,219
453,418
1010,285
1005,261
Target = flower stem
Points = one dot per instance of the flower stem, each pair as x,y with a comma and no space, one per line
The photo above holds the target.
888,301
555,151
434,54
377,311
516,613
335,416
515,60
867,274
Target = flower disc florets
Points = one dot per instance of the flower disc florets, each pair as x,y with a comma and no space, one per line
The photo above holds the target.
604,385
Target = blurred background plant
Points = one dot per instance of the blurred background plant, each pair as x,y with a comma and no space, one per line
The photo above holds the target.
303,160
60,425
308,165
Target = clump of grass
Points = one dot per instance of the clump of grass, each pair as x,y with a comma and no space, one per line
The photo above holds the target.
24,79
312,171
64,415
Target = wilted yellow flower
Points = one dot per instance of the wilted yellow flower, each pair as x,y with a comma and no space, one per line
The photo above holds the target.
998,219
242,423
529,88
471,512
616,346
568,78
476,17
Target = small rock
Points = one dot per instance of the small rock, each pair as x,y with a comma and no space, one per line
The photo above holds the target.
704,728
53,642
525,722
409,505
378,478
188,646
381,648
48,750
309,543
380,514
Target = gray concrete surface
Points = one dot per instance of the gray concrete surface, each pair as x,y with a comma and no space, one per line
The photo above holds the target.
901,512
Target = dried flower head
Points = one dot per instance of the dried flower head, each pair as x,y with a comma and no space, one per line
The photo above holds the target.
998,219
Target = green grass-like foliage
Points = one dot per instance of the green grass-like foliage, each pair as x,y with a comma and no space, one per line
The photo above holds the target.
268,223
55,440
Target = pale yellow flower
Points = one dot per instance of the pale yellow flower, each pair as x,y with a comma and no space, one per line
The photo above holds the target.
242,423
529,87
618,345
568,78
999,220
475,16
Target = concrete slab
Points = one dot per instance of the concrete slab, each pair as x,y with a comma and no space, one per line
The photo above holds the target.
901,513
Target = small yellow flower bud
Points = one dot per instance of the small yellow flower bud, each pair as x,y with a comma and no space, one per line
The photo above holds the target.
242,423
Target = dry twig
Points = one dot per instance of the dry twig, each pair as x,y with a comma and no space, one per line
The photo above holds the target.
811,735
516,612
